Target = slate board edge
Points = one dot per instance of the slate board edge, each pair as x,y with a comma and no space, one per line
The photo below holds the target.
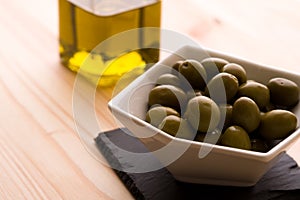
113,161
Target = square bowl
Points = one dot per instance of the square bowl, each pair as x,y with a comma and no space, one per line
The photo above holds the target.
192,161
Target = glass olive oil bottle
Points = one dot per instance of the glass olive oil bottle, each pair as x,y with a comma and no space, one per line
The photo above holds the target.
83,26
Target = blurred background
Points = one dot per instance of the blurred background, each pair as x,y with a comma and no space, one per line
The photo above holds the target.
250,28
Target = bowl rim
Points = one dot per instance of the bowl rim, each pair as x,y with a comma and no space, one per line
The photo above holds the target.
262,156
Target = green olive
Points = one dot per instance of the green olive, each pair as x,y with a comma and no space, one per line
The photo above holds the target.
213,66
222,87
156,114
177,127
176,65
245,113
202,113
256,91
237,70
169,96
194,73
226,115
277,124
283,92
212,137
237,137
168,79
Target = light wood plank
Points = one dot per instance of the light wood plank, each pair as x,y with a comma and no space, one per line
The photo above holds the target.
41,154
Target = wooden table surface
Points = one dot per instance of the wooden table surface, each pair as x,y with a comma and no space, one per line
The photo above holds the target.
41,154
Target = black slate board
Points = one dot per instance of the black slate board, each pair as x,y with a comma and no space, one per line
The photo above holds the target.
280,182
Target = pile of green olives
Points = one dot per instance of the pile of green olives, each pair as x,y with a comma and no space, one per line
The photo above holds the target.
222,106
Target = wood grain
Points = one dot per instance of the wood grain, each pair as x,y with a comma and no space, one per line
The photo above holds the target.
41,154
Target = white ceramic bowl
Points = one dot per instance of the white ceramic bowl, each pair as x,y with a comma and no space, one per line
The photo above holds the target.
218,165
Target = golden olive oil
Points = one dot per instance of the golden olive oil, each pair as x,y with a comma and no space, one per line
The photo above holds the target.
80,31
